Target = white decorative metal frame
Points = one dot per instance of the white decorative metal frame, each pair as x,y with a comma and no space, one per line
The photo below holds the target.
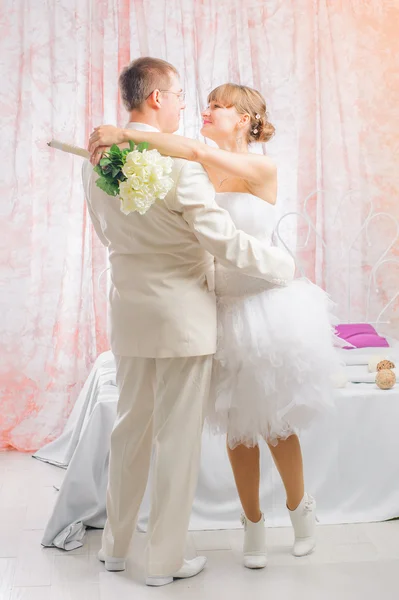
384,259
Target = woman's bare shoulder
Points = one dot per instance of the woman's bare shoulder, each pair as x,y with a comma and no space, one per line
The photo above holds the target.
267,189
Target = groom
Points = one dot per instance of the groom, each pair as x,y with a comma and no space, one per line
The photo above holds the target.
163,331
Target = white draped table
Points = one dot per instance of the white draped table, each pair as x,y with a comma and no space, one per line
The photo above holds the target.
351,464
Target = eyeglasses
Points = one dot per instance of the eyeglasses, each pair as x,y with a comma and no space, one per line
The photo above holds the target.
181,95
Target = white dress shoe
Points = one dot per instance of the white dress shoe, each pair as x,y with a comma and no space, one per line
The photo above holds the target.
190,568
255,553
111,563
303,520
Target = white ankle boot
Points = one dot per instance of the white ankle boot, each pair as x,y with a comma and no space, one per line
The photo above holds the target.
255,554
303,520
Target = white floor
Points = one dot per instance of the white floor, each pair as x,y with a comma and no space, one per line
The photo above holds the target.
356,562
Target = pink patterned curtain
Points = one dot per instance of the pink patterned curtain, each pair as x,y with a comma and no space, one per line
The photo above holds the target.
328,69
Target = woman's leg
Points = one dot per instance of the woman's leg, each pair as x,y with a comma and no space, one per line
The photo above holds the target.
287,456
246,468
245,463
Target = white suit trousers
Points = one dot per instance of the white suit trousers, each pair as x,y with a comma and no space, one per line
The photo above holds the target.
161,405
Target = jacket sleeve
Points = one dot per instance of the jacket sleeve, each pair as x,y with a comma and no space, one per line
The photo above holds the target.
88,183
194,198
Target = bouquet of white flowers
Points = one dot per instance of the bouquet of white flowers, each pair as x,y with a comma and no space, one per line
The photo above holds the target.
137,175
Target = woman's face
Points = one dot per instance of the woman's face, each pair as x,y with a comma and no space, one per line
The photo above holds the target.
220,122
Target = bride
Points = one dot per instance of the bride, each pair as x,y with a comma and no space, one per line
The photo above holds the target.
275,358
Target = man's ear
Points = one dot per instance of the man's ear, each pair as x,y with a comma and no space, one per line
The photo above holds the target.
154,99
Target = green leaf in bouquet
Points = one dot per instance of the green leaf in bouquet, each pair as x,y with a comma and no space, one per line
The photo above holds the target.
110,169
121,176
109,187
131,146
143,146
115,151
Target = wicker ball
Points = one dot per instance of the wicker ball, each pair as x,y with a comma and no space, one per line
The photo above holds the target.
385,379
385,364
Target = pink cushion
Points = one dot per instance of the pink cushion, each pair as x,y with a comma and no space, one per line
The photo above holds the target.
361,335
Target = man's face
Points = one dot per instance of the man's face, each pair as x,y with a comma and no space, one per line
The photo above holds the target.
171,102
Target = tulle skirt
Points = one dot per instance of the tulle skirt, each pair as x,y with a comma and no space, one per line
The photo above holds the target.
275,363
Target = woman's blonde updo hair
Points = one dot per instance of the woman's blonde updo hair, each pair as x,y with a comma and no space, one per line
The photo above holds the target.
246,100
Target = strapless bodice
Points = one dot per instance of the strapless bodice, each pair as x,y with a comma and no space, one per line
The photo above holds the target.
255,217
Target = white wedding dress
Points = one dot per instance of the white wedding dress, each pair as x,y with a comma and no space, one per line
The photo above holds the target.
276,359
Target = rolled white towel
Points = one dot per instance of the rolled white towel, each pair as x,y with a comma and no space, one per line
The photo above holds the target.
365,356
374,360
355,357
360,375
